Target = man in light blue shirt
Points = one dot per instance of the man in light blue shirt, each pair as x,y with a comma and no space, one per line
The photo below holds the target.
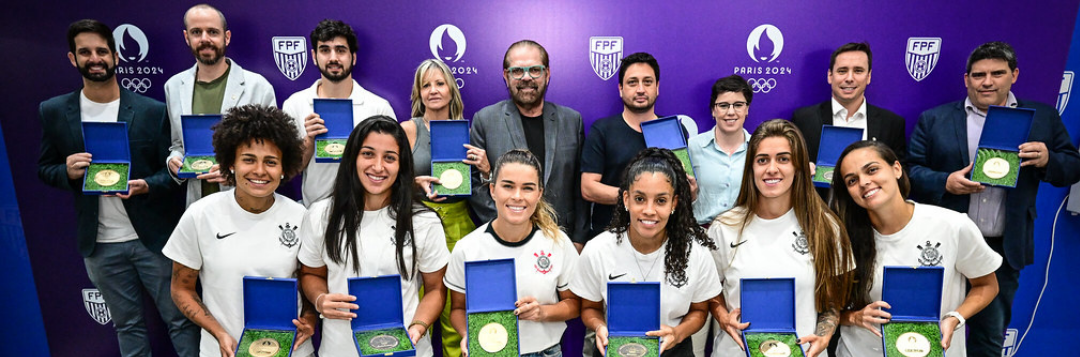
719,154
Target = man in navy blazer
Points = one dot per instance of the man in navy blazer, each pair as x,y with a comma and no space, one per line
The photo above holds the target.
120,237
941,152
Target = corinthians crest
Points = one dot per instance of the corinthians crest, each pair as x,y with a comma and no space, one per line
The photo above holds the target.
930,256
922,55
543,262
288,236
605,54
801,245
290,55
95,306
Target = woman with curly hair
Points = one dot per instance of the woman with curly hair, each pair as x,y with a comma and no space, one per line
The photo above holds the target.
780,228
524,226
435,96
653,222
248,230
887,230
373,224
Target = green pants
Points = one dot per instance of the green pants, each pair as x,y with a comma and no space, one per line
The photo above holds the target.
456,224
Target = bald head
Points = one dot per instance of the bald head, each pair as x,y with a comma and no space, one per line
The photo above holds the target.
205,8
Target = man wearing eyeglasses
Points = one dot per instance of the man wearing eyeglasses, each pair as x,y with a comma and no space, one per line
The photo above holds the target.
849,74
552,132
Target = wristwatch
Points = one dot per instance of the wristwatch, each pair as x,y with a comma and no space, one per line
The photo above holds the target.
958,318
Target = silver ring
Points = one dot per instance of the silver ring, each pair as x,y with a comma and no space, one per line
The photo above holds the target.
472,157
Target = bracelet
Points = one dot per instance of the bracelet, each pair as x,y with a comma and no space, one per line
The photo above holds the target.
958,317
421,323
317,305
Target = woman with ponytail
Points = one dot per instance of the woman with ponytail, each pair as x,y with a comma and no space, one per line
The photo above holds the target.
524,229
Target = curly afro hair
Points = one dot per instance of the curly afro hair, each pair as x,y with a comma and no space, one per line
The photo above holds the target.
257,123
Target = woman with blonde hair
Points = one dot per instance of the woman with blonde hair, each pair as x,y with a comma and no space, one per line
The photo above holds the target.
780,228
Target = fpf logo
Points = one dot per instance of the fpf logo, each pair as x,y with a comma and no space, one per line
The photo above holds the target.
922,56
290,55
451,51
1063,92
605,55
95,306
764,45
132,47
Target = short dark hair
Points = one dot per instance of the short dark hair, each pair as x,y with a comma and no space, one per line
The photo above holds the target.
543,52
640,57
255,122
328,30
93,26
993,50
732,83
224,24
851,47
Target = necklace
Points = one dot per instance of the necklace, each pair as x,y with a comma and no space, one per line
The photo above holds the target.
644,274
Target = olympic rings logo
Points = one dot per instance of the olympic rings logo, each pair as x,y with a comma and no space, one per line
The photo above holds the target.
761,85
138,85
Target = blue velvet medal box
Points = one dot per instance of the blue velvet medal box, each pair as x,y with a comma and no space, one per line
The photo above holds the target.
915,296
997,159
769,306
668,133
632,310
491,291
448,139
379,326
337,116
198,135
834,139
110,162
270,305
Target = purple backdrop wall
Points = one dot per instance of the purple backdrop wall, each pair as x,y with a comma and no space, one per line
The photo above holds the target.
695,41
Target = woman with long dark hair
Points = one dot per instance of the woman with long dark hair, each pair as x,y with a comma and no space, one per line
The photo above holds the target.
524,229
248,230
780,228
870,191
373,224
653,222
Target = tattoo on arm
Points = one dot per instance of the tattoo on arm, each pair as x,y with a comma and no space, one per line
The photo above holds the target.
827,322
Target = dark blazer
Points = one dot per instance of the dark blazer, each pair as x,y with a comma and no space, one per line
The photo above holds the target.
881,125
497,129
939,146
155,214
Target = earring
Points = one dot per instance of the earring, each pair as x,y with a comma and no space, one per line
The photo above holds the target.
232,171
282,176
672,212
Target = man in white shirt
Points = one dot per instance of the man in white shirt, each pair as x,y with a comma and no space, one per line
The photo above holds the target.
214,85
335,54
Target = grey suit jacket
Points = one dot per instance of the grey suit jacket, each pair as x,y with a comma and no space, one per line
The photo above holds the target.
497,129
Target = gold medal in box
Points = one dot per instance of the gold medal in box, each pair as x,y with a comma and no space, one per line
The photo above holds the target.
330,148
106,178
337,117
448,153
108,172
198,134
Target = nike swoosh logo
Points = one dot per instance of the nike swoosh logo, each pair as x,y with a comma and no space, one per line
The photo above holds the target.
733,244
223,236
613,277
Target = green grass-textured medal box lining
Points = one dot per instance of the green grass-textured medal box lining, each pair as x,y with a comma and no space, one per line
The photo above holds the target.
283,338
821,172
94,169
755,339
320,147
984,155
466,179
507,319
652,345
363,338
186,168
684,157
930,330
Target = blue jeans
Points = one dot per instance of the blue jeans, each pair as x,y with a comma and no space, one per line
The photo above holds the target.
121,271
987,328
553,351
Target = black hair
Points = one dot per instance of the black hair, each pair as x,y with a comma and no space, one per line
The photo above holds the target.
328,30
531,43
347,205
681,227
857,222
851,47
92,26
639,57
733,83
993,50
257,123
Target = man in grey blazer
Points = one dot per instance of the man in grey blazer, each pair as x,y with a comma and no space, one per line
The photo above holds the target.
214,85
552,132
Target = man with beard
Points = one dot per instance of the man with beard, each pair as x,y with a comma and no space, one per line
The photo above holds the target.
120,237
334,53
214,85
552,132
